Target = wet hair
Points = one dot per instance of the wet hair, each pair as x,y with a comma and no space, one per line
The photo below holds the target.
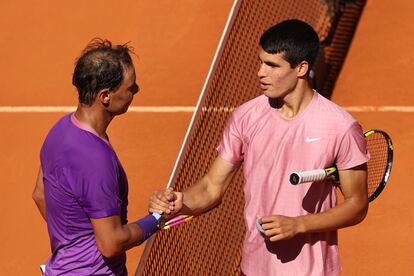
100,66
296,40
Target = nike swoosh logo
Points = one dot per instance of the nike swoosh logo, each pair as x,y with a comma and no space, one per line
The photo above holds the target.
310,140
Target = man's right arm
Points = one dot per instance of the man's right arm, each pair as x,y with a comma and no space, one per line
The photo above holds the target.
38,194
200,197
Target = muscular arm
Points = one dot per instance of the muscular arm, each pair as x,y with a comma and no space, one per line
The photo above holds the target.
200,197
209,191
113,238
350,212
38,194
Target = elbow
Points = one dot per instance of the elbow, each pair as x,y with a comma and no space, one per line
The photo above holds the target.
37,197
362,212
108,247
109,250
110,254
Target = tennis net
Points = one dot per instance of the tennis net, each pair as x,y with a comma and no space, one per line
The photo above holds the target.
211,244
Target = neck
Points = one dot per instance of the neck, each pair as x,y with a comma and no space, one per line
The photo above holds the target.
294,102
95,118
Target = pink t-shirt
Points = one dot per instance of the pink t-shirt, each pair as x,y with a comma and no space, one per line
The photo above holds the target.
271,147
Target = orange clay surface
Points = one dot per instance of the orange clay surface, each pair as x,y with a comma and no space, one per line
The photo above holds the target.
175,43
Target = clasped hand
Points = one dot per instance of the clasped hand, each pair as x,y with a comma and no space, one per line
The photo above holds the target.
166,202
279,227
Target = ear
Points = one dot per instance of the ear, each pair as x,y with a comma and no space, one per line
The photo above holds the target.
104,96
302,68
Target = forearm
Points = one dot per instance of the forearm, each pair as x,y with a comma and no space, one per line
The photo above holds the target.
209,191
348,213
134,234
351,211
200,198
126,237
113,238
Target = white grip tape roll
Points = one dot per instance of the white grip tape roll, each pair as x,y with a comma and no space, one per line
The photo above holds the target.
307,176
259,226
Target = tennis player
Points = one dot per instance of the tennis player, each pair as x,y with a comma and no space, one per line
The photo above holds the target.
82,189
289,128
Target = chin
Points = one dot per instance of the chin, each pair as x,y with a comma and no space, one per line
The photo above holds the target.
122,111
271,95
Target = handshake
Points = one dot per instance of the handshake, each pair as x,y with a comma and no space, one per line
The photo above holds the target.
164,208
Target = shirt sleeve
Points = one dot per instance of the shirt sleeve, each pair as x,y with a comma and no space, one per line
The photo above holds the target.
353,148
97,188
231,145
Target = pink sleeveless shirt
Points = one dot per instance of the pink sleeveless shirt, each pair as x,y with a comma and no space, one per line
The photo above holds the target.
271,147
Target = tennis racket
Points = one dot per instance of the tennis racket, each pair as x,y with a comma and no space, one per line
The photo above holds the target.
379,146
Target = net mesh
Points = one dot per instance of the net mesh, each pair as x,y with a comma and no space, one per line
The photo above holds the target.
211,244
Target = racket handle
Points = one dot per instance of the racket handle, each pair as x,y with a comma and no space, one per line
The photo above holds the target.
156,216
160,219
307,176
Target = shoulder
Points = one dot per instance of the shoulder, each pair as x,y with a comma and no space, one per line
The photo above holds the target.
336,121
251,106
56,134
248,113
251,109
332,113
73,147
60,126
91,152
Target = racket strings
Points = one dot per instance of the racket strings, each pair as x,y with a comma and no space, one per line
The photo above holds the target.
377,146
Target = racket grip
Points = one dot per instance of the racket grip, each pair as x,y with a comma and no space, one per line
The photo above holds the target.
307,176
156,216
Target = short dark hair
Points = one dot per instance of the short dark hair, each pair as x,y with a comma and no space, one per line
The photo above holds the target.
100,66
293,38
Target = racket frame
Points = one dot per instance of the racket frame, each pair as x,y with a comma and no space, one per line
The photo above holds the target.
297,178
387,172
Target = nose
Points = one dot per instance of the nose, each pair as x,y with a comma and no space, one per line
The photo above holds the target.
261,72
134,89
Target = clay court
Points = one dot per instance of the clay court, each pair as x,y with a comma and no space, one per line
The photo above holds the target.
175,44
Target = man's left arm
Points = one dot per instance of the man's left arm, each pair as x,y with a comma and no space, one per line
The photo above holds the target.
112,237
350,212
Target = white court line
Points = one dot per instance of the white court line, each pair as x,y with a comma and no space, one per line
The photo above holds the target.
47,109
175,109
389,108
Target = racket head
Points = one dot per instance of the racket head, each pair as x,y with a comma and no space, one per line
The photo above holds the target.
380,147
